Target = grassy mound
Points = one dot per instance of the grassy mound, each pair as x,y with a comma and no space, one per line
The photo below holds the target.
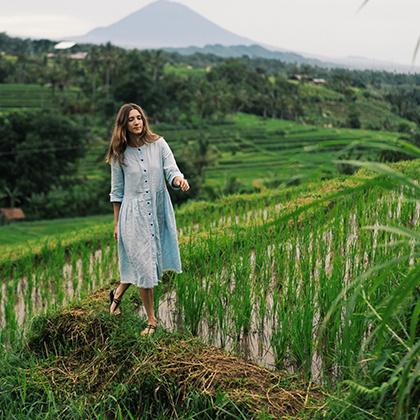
83,362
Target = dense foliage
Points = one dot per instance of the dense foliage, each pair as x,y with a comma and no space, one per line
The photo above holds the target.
182,91
37,149
178,88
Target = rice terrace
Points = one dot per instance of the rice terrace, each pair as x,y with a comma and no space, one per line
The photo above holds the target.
287,278
299,238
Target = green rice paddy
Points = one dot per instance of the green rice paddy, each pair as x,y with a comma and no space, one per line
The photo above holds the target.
325,274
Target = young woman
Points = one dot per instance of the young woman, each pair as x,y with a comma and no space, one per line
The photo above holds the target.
144,219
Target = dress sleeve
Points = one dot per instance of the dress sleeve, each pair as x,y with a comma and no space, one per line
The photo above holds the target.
117,182
170,167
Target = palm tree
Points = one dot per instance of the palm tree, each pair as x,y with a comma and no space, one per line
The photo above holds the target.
13,195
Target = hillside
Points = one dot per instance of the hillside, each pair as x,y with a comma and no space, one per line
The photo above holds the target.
18,240
326,107
257,150
263,279
322,106
252,51
20,96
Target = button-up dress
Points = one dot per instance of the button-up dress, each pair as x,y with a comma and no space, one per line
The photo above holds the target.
147,235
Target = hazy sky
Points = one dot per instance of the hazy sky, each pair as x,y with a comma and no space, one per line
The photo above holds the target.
384,29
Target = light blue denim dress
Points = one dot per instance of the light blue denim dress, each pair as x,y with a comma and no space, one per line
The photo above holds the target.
147,235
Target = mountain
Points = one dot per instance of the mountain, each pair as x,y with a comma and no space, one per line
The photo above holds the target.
172,26
163,24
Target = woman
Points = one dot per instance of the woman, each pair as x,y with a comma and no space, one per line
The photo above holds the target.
144,219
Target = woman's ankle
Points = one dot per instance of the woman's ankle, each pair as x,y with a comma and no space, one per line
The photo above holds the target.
119,291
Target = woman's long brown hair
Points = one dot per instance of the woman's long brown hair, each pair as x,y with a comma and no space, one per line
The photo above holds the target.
119,138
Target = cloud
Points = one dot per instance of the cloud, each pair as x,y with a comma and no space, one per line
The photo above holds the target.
44,25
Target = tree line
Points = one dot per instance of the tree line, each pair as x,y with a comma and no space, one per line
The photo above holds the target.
215,86
47,185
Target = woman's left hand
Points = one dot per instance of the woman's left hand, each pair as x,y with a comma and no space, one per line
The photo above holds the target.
181,182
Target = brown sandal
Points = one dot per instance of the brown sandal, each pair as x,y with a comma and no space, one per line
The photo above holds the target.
115,300
150,329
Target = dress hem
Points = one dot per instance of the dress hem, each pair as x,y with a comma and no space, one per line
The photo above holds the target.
159,280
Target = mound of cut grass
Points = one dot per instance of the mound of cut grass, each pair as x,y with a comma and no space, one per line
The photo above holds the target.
81,361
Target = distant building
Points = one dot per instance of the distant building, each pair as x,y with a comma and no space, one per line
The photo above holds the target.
11,213
302,77
319,81
69,48
297,76
64,45
78,55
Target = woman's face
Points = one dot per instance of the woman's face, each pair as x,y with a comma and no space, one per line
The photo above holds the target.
135,122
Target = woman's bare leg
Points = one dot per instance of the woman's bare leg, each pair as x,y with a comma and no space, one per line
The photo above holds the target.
147,298
119,292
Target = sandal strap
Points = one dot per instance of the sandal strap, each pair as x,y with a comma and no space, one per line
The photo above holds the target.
152,326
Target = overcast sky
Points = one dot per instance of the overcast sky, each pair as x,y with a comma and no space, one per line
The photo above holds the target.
383,29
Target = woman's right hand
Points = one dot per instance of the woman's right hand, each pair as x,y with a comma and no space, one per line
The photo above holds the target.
116,232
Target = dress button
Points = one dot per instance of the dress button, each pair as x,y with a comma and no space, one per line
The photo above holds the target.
144,170
141,160
150,214
148,202
151,224
146,180
147,191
